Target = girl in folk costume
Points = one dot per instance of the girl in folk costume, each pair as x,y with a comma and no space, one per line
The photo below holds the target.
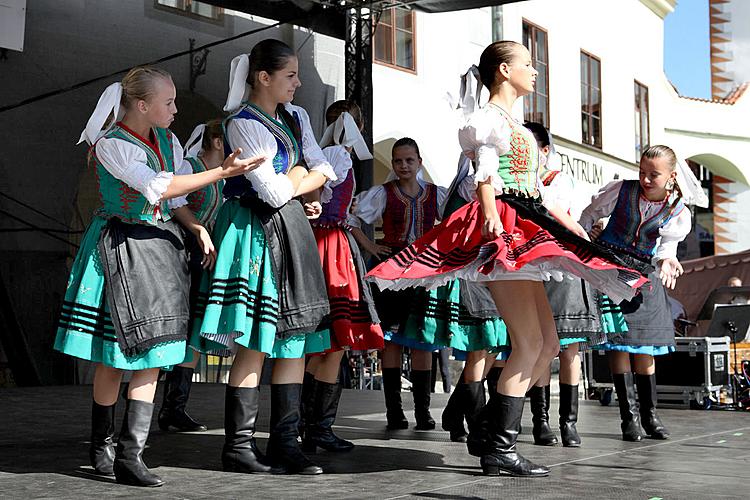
648,219
354,321
462,315
266,295
126,305
408,207
576,313
205,151
510,240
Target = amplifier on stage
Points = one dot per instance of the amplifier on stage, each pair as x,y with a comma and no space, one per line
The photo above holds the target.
697,370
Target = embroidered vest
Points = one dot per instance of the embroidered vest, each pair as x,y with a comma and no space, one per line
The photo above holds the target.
403,212
122,201
288,148
627,231
518,167
336,210
205,202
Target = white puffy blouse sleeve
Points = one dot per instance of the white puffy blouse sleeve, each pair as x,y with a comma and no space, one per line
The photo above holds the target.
181,167
602,204
314,157
484,138
127,162
341,161
672,233
255,140
368,206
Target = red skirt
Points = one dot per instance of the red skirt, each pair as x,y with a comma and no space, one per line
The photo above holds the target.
533,246
354,322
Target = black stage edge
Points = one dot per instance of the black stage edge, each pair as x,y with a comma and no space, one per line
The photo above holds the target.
44,432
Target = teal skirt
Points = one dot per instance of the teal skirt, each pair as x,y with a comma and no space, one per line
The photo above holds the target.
438,318
85,327
238,302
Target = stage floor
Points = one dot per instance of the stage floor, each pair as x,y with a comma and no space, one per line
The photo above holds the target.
44,432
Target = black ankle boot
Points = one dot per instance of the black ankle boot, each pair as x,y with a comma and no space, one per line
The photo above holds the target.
306,404
128,465
452,419
319,431
504,419
283,448
102,450
420,387
647,405
539,402
172,415
631,423
569,416
240,452
394,412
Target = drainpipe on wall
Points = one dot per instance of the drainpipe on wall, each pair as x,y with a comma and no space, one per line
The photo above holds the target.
497,23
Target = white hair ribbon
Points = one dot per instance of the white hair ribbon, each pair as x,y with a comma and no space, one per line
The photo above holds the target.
471,88
692,191
109,102
345,132
195,142
462,171
238,72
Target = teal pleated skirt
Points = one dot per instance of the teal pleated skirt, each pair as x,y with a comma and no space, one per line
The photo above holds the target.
85,327
238,302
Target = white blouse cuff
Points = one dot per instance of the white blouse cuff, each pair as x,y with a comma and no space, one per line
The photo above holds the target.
325,169
178,202
157,186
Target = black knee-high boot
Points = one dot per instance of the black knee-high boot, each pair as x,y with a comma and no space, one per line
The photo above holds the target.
283,448
172,414
631,422
650,421
394,412
308,398
102,449
420,386
240,452
452,419
128,465
539,402
492,377
503,420
318,431
569,415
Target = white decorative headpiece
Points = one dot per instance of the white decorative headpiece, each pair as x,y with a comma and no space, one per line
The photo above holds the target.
109,103
345,132
238,72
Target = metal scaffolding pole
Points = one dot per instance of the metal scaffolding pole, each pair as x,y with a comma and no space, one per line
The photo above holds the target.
359,79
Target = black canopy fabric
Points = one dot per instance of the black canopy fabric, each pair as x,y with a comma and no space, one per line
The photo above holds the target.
329,17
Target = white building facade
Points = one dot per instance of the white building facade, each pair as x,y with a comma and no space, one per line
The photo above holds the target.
602,92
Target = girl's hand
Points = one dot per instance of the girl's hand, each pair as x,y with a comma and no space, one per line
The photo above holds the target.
578,230
378,251
207,247
492,227
669,270
313,209
233,165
